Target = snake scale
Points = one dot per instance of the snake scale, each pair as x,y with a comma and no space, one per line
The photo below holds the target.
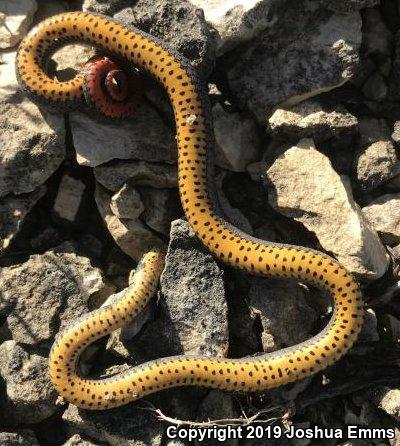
227,243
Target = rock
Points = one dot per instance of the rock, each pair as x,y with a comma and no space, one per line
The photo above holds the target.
13,210
391,327
48,8
145,137
393,185
127,203
377,39
281,305
236,21
257,170
237,139
193,294
383,214
368,336
364,70
139,173
69,60
310,119
375,87
32,145
69,197
306,188
16,18
217,405
126,426
48,238
8,80
56,284
376,164
177,22
23,438
161,207
233,214
306,51
30,394
394,80
372,130
388,400
396,132
132,236
77,440
348,5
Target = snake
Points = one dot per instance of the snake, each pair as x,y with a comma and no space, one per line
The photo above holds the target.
188,95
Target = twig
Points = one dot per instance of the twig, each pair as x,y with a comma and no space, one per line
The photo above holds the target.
246,420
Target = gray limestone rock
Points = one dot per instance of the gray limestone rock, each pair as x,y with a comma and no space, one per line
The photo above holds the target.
388,400
348,5
161,207
372,130
304,186
127,203
383,214
377,39
375,87
394,79
193,293
284,311
238,140
310,120
307,50
56,284
376,164
30,395
77,440
13,210
69,196
21,438
236,21
31,145
126,426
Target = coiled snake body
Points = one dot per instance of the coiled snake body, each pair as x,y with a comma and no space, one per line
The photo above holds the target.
195,144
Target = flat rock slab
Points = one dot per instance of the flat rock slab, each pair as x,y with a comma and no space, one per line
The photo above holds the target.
56,284
307,50
30,395
143,137
304,186
193,294
383,214
126,426
311,120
